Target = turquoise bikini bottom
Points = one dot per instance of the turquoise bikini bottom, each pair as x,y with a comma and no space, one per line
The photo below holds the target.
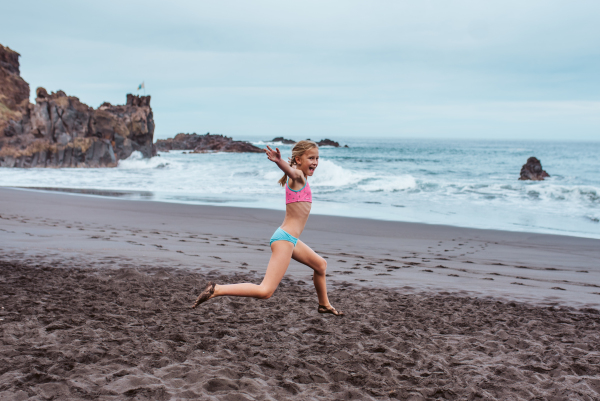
281,235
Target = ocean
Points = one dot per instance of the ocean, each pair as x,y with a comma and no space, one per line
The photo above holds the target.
455,182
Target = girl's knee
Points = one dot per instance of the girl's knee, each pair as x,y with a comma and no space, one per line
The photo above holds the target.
265,292
321,267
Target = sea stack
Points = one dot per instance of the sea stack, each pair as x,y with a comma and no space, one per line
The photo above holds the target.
60,131
532,170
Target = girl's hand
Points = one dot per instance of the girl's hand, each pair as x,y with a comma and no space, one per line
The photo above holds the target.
273,155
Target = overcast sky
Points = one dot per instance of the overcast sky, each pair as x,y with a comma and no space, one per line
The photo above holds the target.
435,69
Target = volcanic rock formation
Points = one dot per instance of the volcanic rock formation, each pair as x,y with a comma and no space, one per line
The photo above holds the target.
60,131
283,140
205,144
532,170
322,142
329,142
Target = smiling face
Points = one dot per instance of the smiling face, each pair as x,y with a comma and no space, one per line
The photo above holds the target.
308,162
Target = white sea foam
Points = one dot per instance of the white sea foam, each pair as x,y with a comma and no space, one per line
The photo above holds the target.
269,143
390,184
330,174
136,161
414,181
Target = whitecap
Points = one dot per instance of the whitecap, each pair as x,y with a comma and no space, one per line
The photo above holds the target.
136,161
390,184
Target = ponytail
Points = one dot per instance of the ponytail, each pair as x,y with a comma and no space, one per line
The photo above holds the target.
283,179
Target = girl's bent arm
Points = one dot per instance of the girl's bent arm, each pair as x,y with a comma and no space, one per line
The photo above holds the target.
275,157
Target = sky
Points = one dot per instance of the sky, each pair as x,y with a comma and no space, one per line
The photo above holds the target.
489,70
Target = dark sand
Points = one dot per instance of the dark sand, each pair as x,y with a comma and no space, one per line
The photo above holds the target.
76,333
95,295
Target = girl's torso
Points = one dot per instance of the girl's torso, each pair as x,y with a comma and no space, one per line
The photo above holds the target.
297,209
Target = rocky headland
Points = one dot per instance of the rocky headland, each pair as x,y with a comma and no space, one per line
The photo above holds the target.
205,144
532,170
61,131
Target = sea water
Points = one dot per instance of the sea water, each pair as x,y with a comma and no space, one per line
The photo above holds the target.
462,183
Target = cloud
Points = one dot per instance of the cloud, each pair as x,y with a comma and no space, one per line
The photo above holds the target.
432,68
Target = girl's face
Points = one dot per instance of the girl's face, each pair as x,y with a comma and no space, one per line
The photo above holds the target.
308,162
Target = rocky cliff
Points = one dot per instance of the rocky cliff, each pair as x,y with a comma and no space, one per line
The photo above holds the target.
205,143
60,131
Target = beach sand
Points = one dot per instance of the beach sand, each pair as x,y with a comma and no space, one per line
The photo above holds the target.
95,296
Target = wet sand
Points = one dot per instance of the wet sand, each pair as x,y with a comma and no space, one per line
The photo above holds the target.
95,294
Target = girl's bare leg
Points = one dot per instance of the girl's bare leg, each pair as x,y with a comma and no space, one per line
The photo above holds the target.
278,264
303,254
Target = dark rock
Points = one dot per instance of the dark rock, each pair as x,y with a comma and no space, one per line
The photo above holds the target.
532,170
283,140
329,142
60,131
14,91
205,144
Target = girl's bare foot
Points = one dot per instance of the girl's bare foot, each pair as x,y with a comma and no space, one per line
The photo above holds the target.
206,294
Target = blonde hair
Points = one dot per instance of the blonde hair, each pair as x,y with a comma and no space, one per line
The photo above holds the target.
297,151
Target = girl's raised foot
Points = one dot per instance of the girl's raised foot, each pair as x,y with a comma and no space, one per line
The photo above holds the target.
206,294
330,309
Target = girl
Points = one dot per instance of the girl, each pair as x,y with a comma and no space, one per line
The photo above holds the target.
285,244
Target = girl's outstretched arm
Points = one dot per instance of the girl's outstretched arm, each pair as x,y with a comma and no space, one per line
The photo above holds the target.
275,157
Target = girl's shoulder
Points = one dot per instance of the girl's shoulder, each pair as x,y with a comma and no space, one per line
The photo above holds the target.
297,182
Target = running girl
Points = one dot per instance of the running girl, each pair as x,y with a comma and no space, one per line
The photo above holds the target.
285,244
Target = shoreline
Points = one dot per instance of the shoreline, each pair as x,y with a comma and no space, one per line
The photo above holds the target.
540,269
146,196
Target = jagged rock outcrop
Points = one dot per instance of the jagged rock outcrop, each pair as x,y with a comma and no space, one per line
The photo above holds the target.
205,144
532,170
329,142
60,131
14,91
322,142
283,140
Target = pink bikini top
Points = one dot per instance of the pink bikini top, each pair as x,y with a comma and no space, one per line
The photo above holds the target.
302,195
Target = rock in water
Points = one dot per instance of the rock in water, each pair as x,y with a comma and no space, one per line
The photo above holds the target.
205,144
60,131
284,140
532,170
328,142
